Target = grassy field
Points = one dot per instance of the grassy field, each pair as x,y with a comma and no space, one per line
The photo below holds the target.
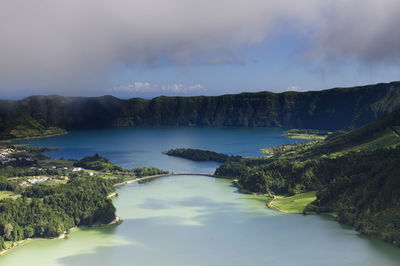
294,204
387,139
307,134
6,194
8,244
57,163
107,175
304,136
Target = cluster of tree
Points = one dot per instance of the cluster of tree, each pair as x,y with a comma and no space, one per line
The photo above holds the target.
362,187
268,176
201,155
148,171
17,122
48,211
98,163
9,185
12,171
353,178
332,109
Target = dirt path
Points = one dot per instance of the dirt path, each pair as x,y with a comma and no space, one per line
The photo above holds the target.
272,206
394,132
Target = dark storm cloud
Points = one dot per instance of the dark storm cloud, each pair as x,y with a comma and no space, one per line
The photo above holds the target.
75,43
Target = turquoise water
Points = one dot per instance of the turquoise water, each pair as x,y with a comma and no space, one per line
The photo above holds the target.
142,146
195,220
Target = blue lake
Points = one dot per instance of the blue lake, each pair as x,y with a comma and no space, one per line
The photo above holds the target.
143,146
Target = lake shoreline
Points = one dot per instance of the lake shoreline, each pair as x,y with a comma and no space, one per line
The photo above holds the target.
112,195
6,141
117,219
63,236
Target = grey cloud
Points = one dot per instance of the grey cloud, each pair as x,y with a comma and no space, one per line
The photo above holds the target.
75,43
366,30
231,60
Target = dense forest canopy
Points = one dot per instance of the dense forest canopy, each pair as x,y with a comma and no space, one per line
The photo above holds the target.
48,211
356,174
44,197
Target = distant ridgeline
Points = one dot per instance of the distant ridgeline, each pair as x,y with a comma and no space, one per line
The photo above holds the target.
356,174
339,108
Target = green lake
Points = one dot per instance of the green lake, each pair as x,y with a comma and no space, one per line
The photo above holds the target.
195,220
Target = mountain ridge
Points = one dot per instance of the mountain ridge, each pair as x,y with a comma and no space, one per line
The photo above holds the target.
337,108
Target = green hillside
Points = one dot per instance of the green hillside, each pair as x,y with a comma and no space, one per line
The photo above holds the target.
339,108
357,176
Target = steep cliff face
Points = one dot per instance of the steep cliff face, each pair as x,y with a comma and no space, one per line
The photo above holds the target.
329,109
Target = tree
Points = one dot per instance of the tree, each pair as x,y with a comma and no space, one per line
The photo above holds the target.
8,228
28,231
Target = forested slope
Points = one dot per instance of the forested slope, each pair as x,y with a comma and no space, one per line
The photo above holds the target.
357,176
339,108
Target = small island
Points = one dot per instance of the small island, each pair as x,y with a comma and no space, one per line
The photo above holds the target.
201,155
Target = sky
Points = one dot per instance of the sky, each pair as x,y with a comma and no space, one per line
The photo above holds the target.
147,48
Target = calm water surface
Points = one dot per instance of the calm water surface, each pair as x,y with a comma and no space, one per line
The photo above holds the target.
142,146
195,220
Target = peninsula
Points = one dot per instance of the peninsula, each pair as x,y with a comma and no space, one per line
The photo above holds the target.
43,197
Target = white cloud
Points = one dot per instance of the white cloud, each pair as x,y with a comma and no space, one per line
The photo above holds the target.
144,88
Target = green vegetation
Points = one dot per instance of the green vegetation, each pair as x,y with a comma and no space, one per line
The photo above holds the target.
48,211
308,134
106,169
43,197
355,174
148,171
201,155
17,123
98,163
293,204
4,194
288,150
339,108
24,132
